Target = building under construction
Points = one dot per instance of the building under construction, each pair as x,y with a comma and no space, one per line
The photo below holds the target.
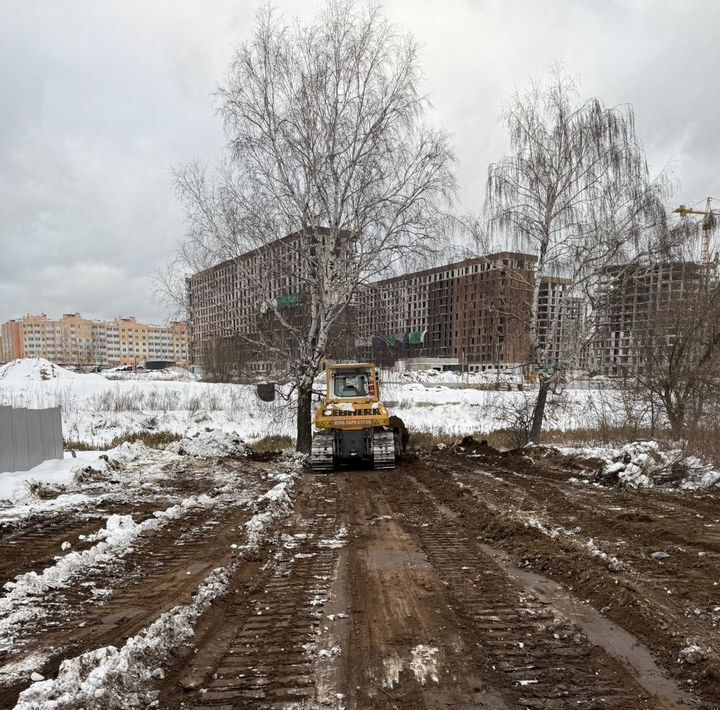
233,306
475,311
635,300
561,324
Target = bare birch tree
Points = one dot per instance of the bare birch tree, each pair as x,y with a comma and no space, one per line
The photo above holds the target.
326,140
575,192
681,361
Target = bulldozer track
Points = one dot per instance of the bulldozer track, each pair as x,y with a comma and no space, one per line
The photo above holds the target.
649,599
266,660
321,455
544,658
415,576
36,545
162,570
450,582
383,450
34,542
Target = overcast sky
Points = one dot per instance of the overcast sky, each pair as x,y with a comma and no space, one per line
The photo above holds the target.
98,99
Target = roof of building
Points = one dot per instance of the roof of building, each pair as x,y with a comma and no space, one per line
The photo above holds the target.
458,265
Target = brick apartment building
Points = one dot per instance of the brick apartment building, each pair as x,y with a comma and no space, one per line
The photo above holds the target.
74,340
634,298
476,310
229,304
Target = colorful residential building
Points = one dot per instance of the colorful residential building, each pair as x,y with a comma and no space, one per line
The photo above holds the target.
76,341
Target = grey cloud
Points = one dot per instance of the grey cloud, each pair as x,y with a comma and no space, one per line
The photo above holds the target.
100,99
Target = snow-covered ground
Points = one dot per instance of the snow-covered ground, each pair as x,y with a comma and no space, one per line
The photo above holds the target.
96,410
128,474
37,370
13,484
169,373
220,419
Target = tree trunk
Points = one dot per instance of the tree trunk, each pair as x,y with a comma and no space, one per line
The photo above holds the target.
304,418
676,417
539,411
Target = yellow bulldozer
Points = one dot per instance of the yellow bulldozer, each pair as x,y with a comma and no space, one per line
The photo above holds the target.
352,425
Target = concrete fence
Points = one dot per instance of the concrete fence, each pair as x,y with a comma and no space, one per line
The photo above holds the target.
29,437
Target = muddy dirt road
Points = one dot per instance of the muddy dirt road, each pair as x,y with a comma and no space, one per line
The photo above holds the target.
465,579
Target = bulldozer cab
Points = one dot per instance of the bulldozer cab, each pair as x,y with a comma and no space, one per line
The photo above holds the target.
353,425
352,383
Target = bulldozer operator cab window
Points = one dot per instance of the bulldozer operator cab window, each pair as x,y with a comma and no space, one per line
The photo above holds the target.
351,383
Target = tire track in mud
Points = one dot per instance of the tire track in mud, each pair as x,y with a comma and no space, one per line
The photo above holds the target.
629,526
543,659
258,649
162,569
681,512
36,546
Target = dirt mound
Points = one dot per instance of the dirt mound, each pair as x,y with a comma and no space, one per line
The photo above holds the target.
469,444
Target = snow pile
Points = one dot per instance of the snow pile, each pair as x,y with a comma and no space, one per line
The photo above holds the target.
16,486
422,663
636,464
432,376
209,444
269,507
38,370
644,464
694,653
699,476
129,452
118,678
117,529
53,476
177,374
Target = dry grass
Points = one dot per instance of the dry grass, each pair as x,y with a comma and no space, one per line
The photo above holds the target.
273,443
70,445
705,444
151,439
599,436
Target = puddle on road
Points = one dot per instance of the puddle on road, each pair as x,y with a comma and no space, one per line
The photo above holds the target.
616,641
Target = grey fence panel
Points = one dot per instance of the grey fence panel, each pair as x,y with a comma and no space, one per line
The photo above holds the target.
35,442
20,439
58,433
47,433
7,456
29,436
56,448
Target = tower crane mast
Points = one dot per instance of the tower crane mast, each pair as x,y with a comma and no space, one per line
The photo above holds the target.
709,223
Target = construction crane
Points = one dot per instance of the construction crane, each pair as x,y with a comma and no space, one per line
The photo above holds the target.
708,225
